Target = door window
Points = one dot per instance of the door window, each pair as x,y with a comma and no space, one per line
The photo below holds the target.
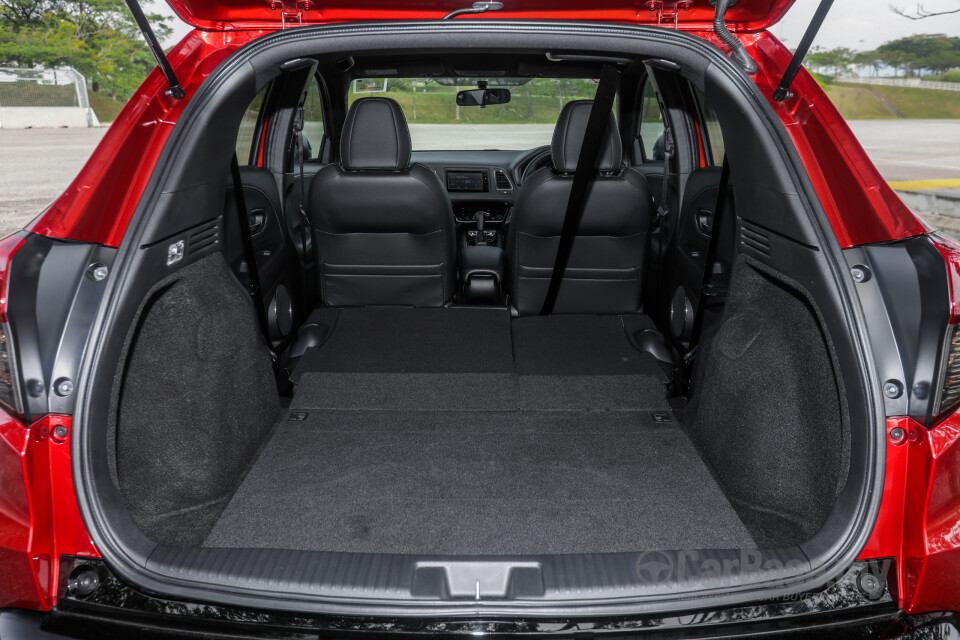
712,133
314,129
651,124
247,135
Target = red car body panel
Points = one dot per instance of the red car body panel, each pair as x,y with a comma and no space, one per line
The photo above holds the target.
919,518
228,15
39,516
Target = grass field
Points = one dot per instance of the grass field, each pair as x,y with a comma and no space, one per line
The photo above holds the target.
23,93
441,108
105,107
855,102
922,103
860,102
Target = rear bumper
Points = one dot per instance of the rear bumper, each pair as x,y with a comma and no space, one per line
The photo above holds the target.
111,608
17,624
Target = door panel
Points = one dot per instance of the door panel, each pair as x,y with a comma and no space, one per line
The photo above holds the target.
276,263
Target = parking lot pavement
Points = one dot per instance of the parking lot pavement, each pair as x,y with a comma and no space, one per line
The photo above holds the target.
912,149
446,137
36,165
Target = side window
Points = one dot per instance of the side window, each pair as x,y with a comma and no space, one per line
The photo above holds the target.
712,134
651,124
248,131
313,126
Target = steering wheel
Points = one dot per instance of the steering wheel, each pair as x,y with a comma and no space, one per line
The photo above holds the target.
537,161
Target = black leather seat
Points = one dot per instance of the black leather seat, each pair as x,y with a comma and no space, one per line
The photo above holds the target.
605,267
383,228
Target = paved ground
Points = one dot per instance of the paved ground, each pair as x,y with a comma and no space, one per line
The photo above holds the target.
36,165
912,149
443,137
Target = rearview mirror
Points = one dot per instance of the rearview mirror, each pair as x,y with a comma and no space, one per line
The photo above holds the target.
482,97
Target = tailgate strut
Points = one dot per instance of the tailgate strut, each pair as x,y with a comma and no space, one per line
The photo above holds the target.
783,90
175,90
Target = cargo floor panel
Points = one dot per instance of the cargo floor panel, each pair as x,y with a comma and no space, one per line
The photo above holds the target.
478,392
474,483
463,432
475,340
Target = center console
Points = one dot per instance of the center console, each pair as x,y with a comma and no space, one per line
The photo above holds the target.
482,197
481,251
481,274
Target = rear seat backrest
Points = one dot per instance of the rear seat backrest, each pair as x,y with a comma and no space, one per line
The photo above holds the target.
383,228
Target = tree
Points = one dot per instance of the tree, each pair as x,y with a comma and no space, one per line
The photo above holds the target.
915,54
870,59
834,60
97,37
921,12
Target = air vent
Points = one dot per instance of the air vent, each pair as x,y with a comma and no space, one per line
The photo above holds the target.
752,238
203,237
503,182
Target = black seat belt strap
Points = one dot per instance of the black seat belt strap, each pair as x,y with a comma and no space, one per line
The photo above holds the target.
305,229
710,258
668,149
663,210
594,139
250,255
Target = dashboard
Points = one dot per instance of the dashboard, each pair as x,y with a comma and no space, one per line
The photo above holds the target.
485,181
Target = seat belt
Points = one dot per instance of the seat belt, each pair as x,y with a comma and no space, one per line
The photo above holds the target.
243,217
713,243
593,140
305,228
663,210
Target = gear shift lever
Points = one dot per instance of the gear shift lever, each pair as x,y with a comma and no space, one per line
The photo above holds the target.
480,237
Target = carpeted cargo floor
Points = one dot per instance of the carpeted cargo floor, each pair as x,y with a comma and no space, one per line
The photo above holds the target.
547,444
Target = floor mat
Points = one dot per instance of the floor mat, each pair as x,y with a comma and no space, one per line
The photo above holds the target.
439,482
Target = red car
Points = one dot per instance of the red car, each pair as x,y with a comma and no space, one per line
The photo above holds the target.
418,319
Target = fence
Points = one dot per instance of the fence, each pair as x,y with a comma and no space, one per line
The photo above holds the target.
44,98
913,83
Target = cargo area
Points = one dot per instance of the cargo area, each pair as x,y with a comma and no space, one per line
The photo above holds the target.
449,431
469,432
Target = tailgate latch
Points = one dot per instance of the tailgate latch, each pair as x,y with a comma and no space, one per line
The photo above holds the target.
668,11
290,10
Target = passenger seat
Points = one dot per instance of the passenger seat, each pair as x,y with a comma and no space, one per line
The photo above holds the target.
383,228
605,267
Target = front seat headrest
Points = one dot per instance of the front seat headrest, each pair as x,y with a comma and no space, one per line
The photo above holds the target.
568,138
375,136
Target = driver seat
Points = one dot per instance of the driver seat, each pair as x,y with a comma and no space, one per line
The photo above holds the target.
605,270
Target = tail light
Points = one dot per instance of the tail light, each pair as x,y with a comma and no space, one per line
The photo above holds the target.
9,378
948,391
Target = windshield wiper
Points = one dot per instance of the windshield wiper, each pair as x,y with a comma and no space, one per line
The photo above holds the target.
478,7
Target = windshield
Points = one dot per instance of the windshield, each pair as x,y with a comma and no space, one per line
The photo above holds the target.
437,123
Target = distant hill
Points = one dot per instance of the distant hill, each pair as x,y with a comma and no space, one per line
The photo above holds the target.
875,102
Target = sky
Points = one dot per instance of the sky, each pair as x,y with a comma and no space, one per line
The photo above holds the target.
856,24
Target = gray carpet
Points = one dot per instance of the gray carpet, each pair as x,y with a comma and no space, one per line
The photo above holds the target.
543,443
443,482
408,340
479,392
